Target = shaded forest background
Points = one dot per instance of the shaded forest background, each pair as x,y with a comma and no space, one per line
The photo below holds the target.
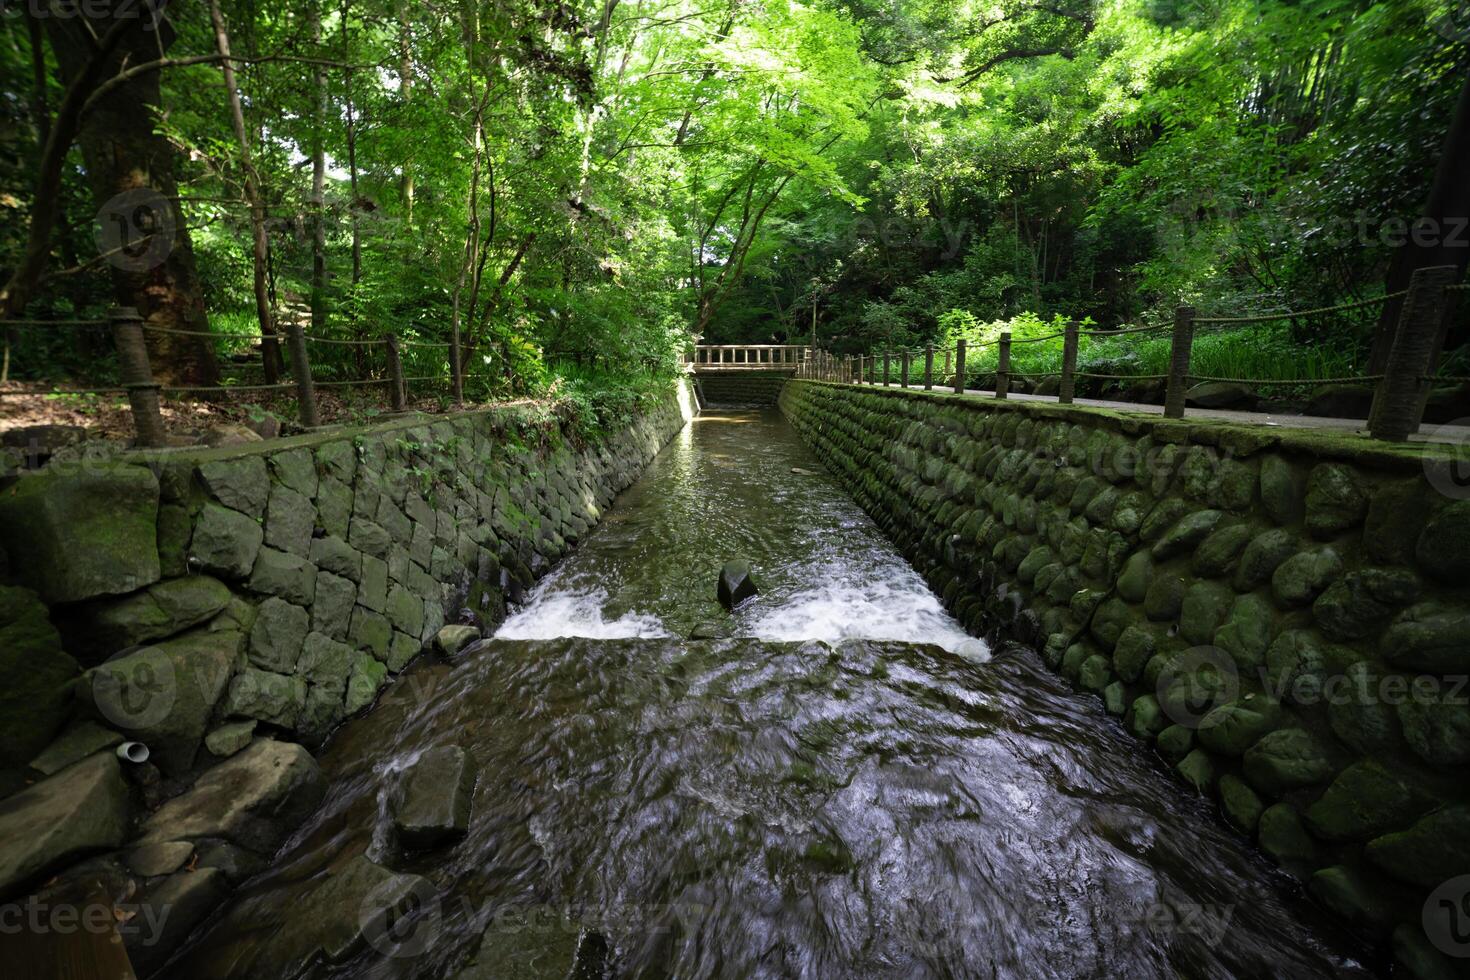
587,186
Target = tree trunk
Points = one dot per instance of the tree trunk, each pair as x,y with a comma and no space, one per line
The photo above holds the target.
405,89
123,155
1445,217
351,150
270,351
318,188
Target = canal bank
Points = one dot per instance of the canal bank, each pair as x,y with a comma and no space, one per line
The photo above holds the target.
1282,615
846,784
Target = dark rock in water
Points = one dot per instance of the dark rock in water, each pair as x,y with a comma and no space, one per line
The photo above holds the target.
1340,402
736,584
1221,394
434,805
709,631
452,639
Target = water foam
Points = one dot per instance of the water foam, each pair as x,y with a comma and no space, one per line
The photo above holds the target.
547,617
849,605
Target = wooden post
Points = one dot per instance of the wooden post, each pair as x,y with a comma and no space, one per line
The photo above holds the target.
1398,406
929,368
903,370
946,361
861,367
1069,364
887,358
456,375
1179,362
959,366
301,368
1003,367
137,377
397,393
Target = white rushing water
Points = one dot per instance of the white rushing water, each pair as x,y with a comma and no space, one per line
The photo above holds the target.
549,613
738,485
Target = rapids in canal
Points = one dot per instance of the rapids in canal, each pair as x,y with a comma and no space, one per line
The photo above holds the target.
847,785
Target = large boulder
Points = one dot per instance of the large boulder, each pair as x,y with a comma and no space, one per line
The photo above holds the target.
433,804
36,696
83,535
104,627
164,695
254,799
83,808
1340,402
1222,394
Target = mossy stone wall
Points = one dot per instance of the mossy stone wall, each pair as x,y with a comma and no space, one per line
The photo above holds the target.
1285,616
281,583
740,389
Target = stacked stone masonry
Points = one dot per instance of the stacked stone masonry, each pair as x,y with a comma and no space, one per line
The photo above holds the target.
740,389
220,605
1286,618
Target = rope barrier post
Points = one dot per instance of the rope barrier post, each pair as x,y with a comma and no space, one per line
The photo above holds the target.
1069,364
1398,406
886,358
903,371
959,366
1003,367
862,367
929,368
397,393
305,393
137,376
946,362
1179,362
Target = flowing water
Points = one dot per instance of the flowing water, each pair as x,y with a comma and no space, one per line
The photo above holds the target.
848,786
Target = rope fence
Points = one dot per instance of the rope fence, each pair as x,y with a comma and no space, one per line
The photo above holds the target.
129,337
1403,386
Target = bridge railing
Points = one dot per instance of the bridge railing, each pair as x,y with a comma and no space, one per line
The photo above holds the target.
749,357
1401,391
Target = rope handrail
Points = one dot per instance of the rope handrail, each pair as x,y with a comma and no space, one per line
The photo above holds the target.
1266,317
178,389
53,323
1288,381
64,391
422,343
177,331
1121,331
312,338
1123,377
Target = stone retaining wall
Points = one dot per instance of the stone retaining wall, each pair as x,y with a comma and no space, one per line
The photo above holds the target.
1285,616
740,389
220,604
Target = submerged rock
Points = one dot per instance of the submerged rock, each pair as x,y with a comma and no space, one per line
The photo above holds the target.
434,802
452,639
81,809
735,584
